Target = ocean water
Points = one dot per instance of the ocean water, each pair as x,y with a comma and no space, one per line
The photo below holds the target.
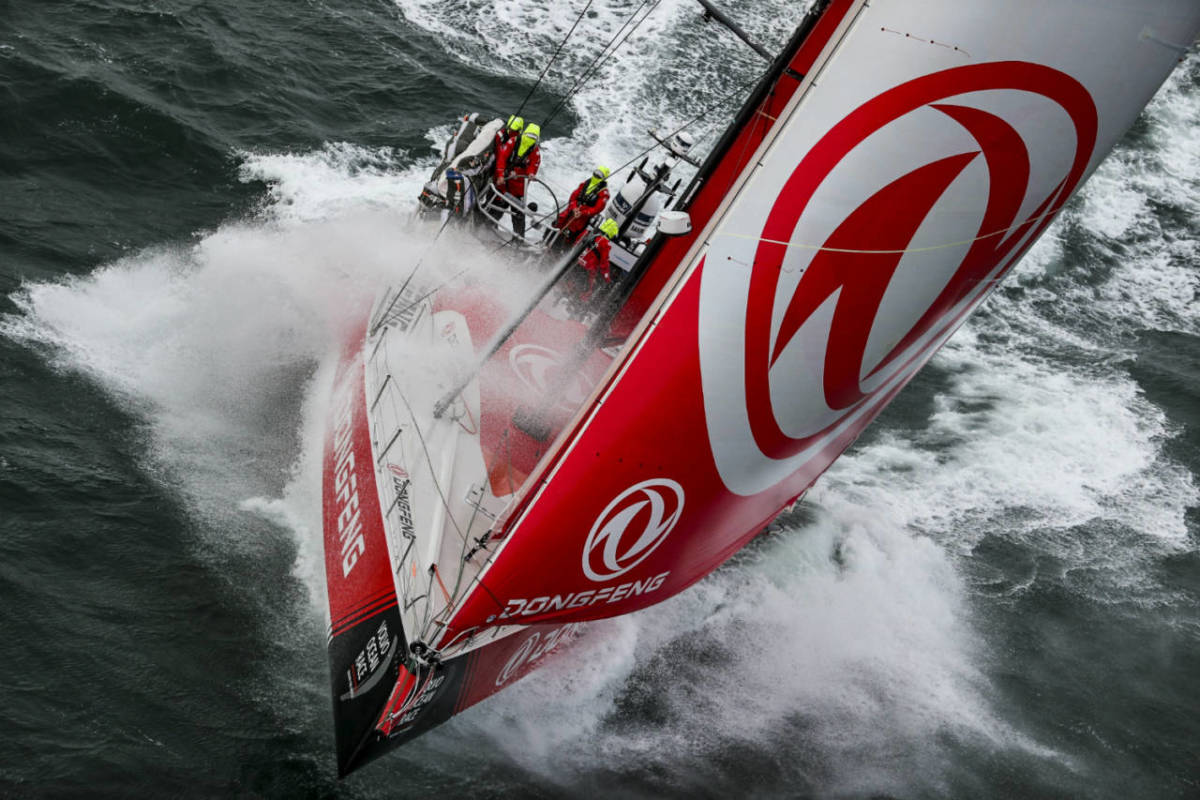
995,593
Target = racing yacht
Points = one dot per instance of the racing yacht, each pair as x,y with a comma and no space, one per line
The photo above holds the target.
498,473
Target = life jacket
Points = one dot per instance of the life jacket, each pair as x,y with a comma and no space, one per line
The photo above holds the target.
587,198
513,170
516,162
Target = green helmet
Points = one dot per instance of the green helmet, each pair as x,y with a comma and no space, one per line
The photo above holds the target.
609,228
515,123
533,132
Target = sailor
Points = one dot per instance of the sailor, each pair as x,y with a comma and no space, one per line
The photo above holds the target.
510,130
594,258
588,200
517,160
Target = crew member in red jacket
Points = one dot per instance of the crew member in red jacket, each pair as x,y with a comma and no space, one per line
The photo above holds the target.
588,200
594,258
517,160
510,130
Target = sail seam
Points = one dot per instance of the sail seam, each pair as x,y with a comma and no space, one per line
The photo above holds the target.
927,249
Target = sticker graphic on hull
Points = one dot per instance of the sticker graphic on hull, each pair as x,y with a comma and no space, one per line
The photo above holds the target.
537,367
371,664
629,529
531,650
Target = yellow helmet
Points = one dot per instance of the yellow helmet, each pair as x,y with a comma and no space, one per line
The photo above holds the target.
599,176
515,123
609,228
529,138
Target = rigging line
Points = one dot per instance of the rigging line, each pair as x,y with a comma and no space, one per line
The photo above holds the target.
431,292
600,62
602,56
741,88
467,540
441,285
429,461
447,281
739,164
437,573
587,72
930,248
477,578
553,56
412,274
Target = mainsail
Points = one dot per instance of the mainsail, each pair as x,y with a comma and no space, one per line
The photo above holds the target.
845,231
892,166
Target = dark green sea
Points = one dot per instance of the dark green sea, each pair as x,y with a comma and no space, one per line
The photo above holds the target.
994,594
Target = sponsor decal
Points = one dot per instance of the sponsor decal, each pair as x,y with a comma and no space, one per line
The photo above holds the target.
411,711
631,527
536,366
410,307
345,484
531,650
627,531
403,504
816,347
518,659
589,597
370,665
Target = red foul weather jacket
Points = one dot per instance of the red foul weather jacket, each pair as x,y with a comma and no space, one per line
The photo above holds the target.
594,259
512,169
578,213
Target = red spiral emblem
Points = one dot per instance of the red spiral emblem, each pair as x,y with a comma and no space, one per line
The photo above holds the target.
885,223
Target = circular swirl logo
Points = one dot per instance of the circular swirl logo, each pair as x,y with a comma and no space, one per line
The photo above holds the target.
518,659
537,368
888,230
631,527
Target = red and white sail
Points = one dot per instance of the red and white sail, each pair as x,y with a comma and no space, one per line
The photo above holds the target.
841,238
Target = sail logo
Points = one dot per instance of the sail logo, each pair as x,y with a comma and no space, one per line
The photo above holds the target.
535,365
631,527
870,251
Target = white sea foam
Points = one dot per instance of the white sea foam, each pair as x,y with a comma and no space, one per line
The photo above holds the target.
338,179
214,347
